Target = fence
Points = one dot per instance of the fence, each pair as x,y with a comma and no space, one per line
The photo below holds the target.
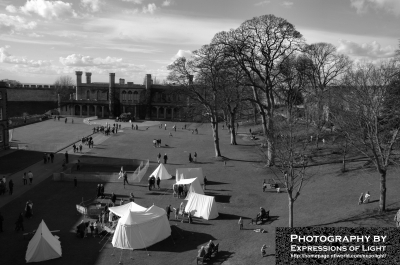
139,173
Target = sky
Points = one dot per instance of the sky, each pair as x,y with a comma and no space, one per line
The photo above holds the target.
41,40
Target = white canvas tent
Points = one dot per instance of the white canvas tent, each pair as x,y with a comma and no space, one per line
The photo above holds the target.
195,186
137,230
123,209
202,206
43,246
161,172
190,173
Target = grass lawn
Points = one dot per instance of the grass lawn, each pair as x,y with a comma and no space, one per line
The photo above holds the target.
329,199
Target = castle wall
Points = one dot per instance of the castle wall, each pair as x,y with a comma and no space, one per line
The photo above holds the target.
31,94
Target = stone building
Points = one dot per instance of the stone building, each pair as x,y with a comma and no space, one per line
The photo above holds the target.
3,117
109,100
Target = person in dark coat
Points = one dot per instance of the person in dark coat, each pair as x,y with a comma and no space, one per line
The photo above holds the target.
66,157
168,210
19,224
98,190
113,198
52,157
101,190
11,186
149,183
125,178
190,158
165,158
28,210
158,182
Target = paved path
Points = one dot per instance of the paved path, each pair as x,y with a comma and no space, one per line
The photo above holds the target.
42,171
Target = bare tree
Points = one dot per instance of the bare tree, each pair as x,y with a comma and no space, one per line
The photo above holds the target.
323,68
208,67
369,116
62,85
258,46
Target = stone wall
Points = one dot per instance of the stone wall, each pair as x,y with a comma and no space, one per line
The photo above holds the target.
31,94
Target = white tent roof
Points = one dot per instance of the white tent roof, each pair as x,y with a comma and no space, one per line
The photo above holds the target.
202,206
195,186
161,172
43,245
137,230
123,209
190,173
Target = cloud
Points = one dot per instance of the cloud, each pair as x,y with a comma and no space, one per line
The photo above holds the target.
35,35
390,6
182,53
130,11
287,4
150,8
138,2
81,60
11,9
6,57
92,5
11,24
262,3
166,3
48,9
371,50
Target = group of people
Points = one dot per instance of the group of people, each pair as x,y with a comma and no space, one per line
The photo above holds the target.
181,190
100,191
157,142
364,198
19,224
88,141
159,158
152,182
3,186
206,250
48,157
194,158
135,127
178,211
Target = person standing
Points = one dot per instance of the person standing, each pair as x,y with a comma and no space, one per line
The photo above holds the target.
66,157
168,210
66,120
165,158
1,223
102,190
159,158
158,182
361,199
264,185
98,190
366,197
28,210
113,198
190,158
75,182
240,223
195,157
30,176
52,157
25,181
125,178
11,186
80,147
19,224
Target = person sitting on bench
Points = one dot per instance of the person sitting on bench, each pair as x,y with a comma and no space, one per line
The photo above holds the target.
201,252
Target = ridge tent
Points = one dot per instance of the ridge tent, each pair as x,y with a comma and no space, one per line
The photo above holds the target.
43,245
190,173
161,172
137,230
129,207
202,206
195,186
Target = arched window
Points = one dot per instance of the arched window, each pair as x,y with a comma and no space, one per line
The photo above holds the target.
124,95
88,94
135,96
130,97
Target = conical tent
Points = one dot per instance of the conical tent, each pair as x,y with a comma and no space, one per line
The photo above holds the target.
202,206
161,172
137,230
43,246
190,173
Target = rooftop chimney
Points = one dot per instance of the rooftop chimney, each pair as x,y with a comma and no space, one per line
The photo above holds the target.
88,78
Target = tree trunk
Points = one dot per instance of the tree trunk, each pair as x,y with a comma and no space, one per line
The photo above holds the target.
291,204
255,115
344,157
214,125
233,128
271,142
382,197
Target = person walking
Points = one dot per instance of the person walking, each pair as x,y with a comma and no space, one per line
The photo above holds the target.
1,223
75,182
30,176
24,180
66,157
11,186
165,158
80,147
195,157
240,223
125,178
159,158
51,157
366,197
168,210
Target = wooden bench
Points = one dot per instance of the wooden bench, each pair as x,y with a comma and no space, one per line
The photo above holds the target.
208,255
